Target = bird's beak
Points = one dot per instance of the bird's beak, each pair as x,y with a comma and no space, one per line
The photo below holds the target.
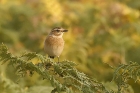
65,30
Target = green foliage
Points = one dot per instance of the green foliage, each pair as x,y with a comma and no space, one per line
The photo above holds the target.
124,73
62,75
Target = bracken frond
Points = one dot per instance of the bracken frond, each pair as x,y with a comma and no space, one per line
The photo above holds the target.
62,75
125,72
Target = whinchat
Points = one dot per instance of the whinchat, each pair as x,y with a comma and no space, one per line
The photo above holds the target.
54,42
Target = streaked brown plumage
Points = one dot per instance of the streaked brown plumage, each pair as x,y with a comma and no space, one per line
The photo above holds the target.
54,42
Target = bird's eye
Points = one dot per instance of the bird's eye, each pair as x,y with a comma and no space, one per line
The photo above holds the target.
57,30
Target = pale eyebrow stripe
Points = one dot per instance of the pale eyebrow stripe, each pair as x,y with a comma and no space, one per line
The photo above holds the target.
58,29
61,29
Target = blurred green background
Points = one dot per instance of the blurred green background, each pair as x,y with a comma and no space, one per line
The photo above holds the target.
100,32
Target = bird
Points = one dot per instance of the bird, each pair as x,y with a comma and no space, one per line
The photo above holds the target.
54,43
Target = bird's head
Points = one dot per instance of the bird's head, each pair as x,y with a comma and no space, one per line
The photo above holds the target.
58,31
